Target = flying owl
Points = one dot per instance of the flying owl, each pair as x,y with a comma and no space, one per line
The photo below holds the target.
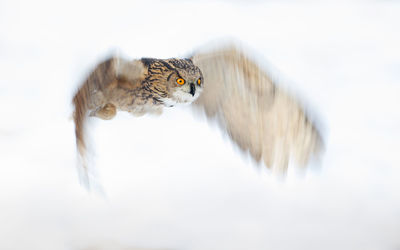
259,116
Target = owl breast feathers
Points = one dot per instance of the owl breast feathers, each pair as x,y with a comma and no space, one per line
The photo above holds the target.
225,84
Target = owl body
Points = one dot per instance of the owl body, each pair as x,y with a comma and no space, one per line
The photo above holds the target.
139,86
113,86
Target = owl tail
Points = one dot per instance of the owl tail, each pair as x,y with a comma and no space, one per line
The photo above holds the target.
84,102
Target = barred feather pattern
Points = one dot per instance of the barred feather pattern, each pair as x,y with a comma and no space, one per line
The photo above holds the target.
83,102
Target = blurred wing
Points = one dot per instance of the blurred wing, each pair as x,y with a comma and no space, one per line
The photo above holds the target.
105,75
259,117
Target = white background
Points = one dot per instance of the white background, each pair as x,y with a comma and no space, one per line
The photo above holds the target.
174,182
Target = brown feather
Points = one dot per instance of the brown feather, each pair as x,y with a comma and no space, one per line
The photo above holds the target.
97,80
95,93
258,116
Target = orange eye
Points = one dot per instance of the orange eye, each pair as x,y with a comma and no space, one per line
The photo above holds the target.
199,81
180,81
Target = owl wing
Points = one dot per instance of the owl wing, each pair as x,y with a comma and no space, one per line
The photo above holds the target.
103,77
259,116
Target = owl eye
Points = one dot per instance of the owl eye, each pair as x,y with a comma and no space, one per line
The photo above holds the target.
199,81
180,81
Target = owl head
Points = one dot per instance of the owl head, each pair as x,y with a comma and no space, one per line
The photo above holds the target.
179,80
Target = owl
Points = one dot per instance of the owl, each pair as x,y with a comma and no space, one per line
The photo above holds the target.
260,117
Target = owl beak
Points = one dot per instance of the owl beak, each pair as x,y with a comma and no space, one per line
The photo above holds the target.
192,89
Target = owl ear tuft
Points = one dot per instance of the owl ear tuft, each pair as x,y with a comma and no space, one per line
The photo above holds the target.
148,61
189,59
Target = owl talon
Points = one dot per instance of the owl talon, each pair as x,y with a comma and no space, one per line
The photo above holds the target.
107,112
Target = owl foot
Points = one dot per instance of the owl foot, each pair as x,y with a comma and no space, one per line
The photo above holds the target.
106,112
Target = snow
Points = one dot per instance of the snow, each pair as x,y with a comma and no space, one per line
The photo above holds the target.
174,182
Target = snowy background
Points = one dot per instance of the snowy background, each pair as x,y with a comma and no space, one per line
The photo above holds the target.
191,189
